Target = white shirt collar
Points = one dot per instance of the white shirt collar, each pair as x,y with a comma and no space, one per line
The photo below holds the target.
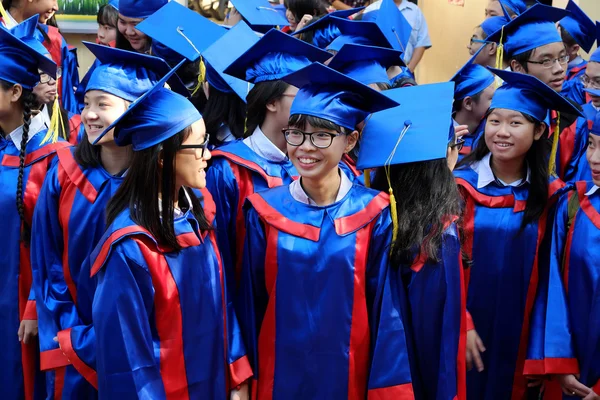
177,213
592,190
300,195
46,114
485,175
262,146
37,124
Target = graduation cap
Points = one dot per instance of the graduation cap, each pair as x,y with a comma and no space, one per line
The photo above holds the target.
114,4
517,6
530,30
330,95
358,32
154,117
22,58
237,40
324,28
274,56
366,64
260,14
471,78
493,24
128,74
180,30
581,27
140,8
392,23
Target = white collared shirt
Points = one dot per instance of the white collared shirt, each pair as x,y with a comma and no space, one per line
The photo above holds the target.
592,190
262,146
37,124
300,195
177,213
485,175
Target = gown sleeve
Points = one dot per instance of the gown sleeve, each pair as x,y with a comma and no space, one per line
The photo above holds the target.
70,79
550,349
577,145
389,375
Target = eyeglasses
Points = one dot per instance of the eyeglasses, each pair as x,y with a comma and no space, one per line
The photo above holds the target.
202,146
458,145
45,78
473,40
549,62
320,140
589,82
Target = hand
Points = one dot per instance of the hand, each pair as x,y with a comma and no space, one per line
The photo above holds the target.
474,349
592,396
571,386
241,394
27,330
535,382
304,21
460,131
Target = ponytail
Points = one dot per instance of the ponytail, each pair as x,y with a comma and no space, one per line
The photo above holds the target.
28,103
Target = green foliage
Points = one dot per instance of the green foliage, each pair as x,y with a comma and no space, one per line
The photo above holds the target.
80,7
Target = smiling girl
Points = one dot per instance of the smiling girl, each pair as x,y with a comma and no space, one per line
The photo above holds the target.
131,13
505,185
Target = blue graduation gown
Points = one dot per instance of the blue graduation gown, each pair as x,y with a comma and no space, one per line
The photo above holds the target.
501,283
19,369
471,141
160,317
436,321
68,223
584,173
566,336
572,144
573,87
321,308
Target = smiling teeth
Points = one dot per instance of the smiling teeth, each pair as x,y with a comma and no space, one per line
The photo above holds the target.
307,160
503,144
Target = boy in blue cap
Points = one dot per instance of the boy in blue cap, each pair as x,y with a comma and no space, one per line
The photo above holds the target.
131,13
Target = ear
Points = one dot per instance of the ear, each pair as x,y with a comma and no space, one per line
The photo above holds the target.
492,47
16,92
351,140
539,131
272,106
516,67
467,103
575,48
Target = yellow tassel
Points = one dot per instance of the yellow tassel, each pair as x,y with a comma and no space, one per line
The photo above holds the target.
555,138
5,17
500,56
367,175
56,124
201,77
394,213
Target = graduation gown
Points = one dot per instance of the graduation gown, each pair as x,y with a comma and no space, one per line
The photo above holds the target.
471,141
573,87
572,130
160,317
501,282
19,365
565,335
68,223
321,308
436,319
584,172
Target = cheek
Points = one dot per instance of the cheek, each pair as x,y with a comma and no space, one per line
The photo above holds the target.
121,27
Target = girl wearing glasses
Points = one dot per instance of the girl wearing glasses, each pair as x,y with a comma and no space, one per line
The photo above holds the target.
70,218
318,301
160,296
506,191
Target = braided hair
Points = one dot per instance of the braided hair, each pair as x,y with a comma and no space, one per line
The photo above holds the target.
27,100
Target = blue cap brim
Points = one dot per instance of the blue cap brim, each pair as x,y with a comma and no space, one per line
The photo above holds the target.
260,13
351,53
581,27
324,21
366,29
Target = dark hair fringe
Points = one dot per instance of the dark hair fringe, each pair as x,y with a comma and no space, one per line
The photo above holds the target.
299,8
259,96
301,120
107,15
566,37
224,108
139,192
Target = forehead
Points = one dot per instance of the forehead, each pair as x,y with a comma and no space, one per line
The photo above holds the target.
130,20
549,50
593,69
494,5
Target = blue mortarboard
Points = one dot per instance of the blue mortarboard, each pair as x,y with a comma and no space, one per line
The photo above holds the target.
330,95
325,30
596,125
181,30
154,117
22,58
392,23
260,14
529,95
595,57
517,6
530,30
366,64
114,4
237,40
358,32
471,79
274,56
128,74
493,24
415,131
140,8
581,27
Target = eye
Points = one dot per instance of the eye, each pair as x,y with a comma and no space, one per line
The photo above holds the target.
322,135
516,123
102,104
590,143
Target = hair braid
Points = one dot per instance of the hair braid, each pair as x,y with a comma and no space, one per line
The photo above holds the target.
28,102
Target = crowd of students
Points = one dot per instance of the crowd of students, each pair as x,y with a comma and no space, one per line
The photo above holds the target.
274,209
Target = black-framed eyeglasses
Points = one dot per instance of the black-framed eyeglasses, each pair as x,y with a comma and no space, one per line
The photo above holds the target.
201,146
321,140
45,78
549,62
458,145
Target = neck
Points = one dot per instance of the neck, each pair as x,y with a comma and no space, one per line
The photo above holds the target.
272,131
176,196
323,191
115,159
11,122
16,14
398,2
464,117
508,171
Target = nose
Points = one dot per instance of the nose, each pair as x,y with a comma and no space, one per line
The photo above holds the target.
55,6
502,131
557,68
307,145
130,30
207,155
595,157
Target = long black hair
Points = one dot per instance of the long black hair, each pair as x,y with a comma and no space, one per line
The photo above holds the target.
262,94
224,108
426,199
300,8
144,183
108,16
27,103
537,161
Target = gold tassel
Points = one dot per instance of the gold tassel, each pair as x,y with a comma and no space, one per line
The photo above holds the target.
367,175
555,138
394,213
201,77
500,56
56,124
5,17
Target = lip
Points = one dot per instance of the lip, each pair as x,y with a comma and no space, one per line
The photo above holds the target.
307,165
596,174
93,131
557,82
503,146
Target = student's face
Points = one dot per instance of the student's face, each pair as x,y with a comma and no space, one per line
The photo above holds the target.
291,19
100,110
45,93
553,76
493,9
106,34
190,164
593,157
136,39
474,45
481,106
509,135
44,8
315,163
280,108
592,73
